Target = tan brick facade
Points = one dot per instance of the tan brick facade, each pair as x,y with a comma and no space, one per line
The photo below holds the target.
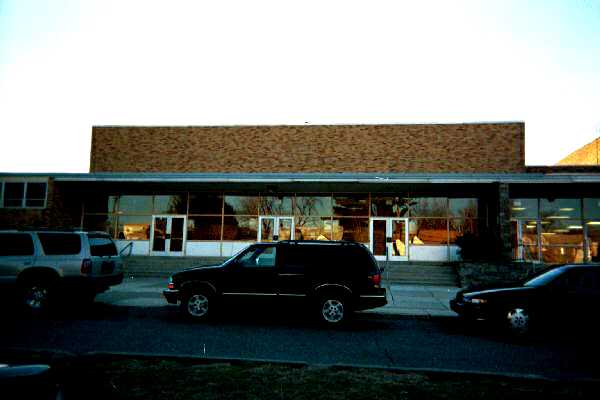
587,155
482,147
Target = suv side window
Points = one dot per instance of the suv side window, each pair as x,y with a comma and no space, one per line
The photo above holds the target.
60,243
16,244
101,246
259,257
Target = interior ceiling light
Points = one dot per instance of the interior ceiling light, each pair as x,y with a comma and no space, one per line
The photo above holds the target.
557,217
594,223
566,209
574,227
519,208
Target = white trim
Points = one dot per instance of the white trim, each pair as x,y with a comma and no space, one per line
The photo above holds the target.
25,182
388,229
169,231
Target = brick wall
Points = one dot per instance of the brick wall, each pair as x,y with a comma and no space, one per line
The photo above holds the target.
486,147
587,155
62,211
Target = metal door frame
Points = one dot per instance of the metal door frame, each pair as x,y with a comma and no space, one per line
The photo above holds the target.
169,232
276,219
388,234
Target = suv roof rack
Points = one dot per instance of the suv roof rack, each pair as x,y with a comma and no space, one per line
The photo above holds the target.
323,242
47,229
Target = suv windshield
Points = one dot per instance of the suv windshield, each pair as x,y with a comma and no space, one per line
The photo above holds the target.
101,246
545,277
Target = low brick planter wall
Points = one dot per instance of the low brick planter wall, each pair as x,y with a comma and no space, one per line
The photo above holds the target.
474,274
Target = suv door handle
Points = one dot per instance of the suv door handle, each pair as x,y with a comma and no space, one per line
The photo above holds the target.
27,263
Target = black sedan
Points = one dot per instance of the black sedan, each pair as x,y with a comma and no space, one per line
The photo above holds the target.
566,293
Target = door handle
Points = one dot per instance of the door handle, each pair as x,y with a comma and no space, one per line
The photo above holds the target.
27,263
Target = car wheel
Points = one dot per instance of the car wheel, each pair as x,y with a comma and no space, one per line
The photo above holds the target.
196,305
332,309
36,295
518,320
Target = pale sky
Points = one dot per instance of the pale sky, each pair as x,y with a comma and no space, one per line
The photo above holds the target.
67,65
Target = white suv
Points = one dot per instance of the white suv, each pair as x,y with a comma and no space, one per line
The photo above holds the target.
45,265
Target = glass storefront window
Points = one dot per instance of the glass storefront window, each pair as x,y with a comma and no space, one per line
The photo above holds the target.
591,208
241,205
562,241
170,204
464,208
203,228
102,223
593,234
133,227
275,205
351,229
206,204
562,255
430,207
524,208
313,228
459,226
314,205
240,228
560,208
562,232
391,206
135,205
428,231
351,205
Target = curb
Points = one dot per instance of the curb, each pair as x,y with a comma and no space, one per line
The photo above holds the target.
54,355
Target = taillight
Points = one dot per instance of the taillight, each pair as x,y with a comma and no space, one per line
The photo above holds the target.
376,279
86,266
171,285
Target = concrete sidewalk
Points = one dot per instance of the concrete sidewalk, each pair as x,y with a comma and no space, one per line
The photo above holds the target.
406,300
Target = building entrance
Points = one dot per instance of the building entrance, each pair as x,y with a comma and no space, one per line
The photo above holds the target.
389,238
272,229
168,235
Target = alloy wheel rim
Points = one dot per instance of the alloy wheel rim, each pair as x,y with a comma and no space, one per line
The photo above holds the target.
36,297
333,310
519,320
198,305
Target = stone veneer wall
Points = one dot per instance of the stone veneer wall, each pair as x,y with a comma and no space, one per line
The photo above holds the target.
478,274
481,147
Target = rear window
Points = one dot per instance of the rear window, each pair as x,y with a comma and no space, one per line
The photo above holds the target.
16,244
60,243
101,246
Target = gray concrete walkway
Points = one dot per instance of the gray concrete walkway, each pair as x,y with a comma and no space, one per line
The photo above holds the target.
407,300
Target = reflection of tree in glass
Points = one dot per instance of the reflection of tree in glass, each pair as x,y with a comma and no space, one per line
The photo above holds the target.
177,204
305,207
401,206
431,207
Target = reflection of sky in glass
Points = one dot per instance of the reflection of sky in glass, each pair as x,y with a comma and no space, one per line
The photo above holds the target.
314,205
560,208
591,208
526,208
135,204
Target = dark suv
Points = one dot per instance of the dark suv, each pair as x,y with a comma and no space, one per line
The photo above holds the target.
334,278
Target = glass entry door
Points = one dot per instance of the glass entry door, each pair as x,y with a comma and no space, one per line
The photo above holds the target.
389,238
168,235
272,229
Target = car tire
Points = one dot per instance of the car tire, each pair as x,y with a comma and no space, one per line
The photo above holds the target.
197,305
518,320
37,295
332,309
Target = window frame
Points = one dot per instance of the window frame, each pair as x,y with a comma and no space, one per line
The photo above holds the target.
24,197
